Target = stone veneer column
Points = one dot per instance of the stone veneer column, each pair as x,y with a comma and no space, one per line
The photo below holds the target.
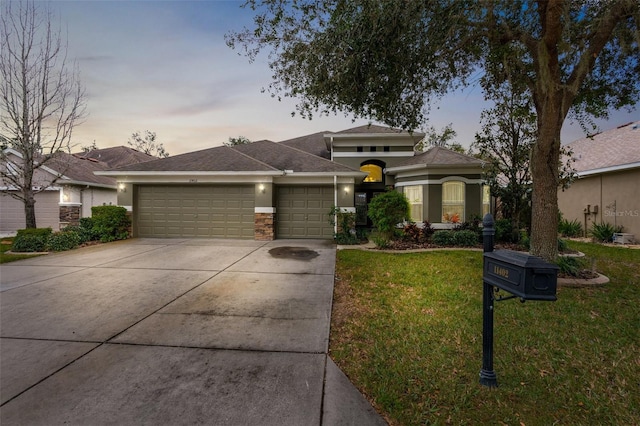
264,226
70,214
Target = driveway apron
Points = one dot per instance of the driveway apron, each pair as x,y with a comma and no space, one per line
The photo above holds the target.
174,331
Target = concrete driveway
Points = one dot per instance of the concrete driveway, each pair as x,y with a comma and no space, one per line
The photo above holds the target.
154,331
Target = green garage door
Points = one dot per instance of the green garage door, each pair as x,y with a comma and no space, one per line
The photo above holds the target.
207,211
303,212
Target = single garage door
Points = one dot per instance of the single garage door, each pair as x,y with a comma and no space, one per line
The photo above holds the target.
303,212
207,211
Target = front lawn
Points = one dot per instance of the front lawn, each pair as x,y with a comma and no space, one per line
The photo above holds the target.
407,330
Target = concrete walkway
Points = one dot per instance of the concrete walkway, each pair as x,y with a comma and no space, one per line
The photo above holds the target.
152,331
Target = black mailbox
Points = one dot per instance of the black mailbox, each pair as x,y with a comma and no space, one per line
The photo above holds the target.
521,274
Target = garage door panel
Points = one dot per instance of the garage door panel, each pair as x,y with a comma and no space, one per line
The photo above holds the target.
195,211
303,212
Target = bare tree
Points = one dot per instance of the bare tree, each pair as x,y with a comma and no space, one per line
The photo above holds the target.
41,100
148,144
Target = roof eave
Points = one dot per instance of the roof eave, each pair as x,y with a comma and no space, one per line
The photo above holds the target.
609,169
189,173
399,169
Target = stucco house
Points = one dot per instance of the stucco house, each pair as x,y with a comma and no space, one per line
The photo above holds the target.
608,184
266,190
70,187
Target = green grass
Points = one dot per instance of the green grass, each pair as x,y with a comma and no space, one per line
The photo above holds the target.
10,257
407,330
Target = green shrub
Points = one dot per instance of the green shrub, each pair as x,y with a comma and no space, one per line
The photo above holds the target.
570,229
603,232
505,233
65,240
465,238
570,265
84,230
380,242
525,240
346,233
31,240
110,223
562,245
387,210
443,237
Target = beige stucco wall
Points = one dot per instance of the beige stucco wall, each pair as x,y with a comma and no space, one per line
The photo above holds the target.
12,216
87,197
617,195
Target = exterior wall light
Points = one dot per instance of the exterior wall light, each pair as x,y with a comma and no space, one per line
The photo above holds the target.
262,188
122,187
346,190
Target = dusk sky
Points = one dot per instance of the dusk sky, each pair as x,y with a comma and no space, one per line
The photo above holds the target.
164,66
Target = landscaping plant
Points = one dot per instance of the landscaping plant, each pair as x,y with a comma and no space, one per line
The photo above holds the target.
31,240
386,211
62,241
603,232
110,222
570,229
346,229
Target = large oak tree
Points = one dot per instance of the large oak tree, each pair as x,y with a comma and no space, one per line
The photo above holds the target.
387,60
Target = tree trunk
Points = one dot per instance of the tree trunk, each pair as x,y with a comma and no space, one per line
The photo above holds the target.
30,210
544,169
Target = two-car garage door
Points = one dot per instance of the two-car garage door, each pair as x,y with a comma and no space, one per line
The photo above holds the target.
210,211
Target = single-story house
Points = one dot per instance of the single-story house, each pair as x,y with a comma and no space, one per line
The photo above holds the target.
70,187
608,184
266,190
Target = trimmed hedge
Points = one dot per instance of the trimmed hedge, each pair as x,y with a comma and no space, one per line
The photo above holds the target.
110,223
31,240
65,240
464,238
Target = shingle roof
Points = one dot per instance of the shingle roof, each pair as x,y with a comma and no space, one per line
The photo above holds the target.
118,156
313,144
611,148
80,170
221,158
283,157
440,156
256,156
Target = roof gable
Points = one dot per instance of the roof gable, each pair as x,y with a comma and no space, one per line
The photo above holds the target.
313,144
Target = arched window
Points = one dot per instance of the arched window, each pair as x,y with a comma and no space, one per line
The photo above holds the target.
374,170
453,202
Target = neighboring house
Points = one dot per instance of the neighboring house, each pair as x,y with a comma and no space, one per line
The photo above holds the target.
608,184
266,190
74,191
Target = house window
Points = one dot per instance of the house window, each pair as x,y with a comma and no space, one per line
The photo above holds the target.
359,149
486,200
386,148
372,149
374,171
414,195
453,202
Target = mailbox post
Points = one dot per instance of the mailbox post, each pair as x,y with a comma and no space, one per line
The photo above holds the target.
524,276
487,375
